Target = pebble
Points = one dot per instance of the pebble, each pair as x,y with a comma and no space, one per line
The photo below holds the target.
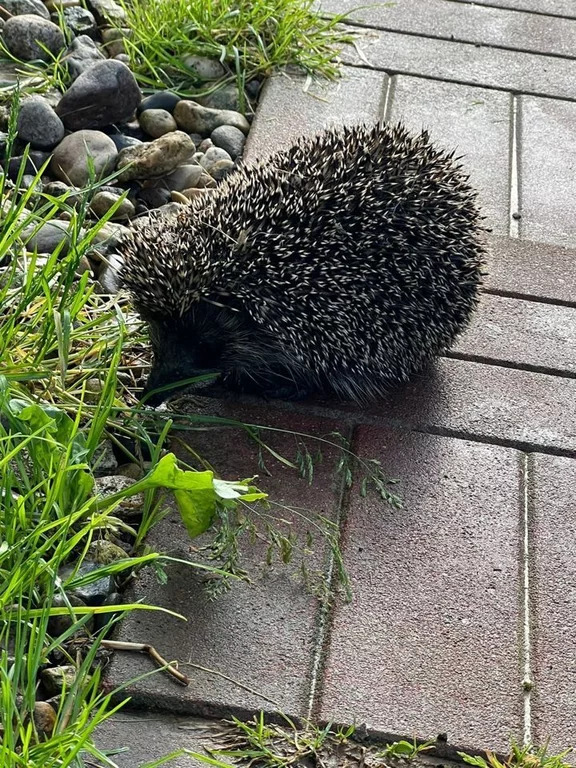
107,11
193,193
182,177
94,592
204,68
48,237
212,156
229,138
80,21
105,93
159,100
55,678
60,189
33,162
194,118
113,40
154,197
124,58
70,159
109,235
221,168
157,122
29,37
206,181
57,625
157,158
44,716
130,507
102,202
104,459
122,141
81,55
205,144
38,124
227,96
108,282
26,7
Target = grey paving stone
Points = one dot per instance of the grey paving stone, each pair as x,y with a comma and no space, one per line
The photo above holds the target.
475,122
430,642
534,270
548,170
483,402
286,111
467,23
553,533
512,331
261,635
149,736
554,7
464,63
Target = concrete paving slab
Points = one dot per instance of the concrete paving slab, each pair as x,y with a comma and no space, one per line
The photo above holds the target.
286,111
548,170
466,23
430,642
261,635
149,736
524,333
489,403
534,270
553,533
473,121
563,8
467,63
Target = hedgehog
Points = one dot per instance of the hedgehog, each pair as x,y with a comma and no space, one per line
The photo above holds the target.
340,266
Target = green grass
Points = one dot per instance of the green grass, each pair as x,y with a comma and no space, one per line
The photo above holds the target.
252,38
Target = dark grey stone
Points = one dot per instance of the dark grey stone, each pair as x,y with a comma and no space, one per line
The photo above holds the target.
92,593
81,55
29,37
80,21
34,161
121,141
105,93
38,124
70,161
194,118
21,7
229,138
227,96
57,625
159,100
107,11
48,237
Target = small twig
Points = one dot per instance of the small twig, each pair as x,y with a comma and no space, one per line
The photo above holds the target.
231,680
119,645
5,13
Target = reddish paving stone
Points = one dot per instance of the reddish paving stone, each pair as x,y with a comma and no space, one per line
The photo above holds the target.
148,736
430,642
506,70
553,542
261,635
456,115
286,111
534,270
466,23
548,169
563,8
525,333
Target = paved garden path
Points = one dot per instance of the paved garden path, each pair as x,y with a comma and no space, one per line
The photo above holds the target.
463,616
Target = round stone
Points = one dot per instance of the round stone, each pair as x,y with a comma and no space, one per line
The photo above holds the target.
38,124
105,93
102,202
122,141
193,118
160,100
154,197
227,96
23,7
229,138
29,37
220,169
157,158
204,68
212,156
48,237
81,55
80,21
182,177
32,164
157,122
70,159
